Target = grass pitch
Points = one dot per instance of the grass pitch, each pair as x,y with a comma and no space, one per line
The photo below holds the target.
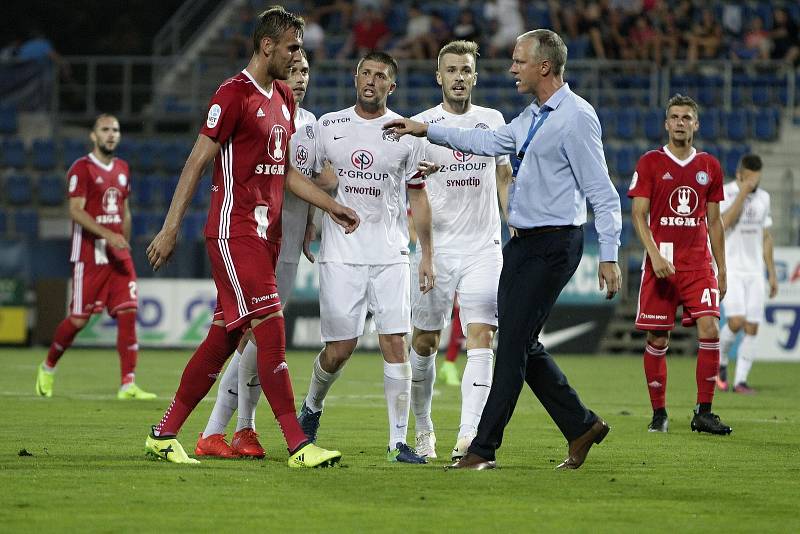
87,472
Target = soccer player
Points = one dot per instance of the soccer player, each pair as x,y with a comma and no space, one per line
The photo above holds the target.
679,190
448,370
246,134
369,270
238,387
748,247
466,230
103,275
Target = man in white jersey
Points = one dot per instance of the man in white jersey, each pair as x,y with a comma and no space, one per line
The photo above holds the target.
239,386
369,270
466,230
748,248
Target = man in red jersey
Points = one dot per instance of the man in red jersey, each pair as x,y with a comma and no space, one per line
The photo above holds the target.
680,189
246,134
103,272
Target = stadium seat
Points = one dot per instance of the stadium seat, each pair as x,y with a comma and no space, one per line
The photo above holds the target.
43,153
50,190
762,94
710,148
128,150
736,125
13,153
730,158
193,225
74,149
709,125
608,122
167,187
147,156
653,124
19,190
626,123
174,155
624,200
627,156
143,191
8,120
765,126
628,234
26,223
3,223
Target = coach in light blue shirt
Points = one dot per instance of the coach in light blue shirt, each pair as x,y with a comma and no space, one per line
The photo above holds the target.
557,139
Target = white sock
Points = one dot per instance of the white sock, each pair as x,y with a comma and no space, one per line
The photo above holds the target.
423,376
744,358
226,399
321,382
47,369
249,387
475,385
726,339
397,389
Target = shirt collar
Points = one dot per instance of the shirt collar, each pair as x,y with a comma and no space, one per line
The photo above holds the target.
554,101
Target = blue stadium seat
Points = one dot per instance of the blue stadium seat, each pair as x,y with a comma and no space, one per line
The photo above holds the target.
731,156
626,123
762,95
736,125
13,152
193,226
709,125
19,190
128,150
143,191
8,120
43,153
710,91
710,148
51,190
627,156
653,124
174,155
26,223
608,121
139,225
3,223
624,200
628,234
167,187
765,125
147,156
74,149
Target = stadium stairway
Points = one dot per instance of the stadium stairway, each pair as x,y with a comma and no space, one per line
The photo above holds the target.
621,337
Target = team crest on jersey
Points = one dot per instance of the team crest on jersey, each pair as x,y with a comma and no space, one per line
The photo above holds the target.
361,159
301,156
461,156
482,126
634,180
213,115
111,199
701,177
276,146
683,201
285,111
309,131
390,136
122,179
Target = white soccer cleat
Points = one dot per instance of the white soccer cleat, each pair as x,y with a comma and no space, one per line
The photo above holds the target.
462,444
426,444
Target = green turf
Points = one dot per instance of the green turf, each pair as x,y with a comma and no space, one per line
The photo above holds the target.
88,471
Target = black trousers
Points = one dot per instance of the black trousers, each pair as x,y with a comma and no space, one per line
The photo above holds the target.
535,270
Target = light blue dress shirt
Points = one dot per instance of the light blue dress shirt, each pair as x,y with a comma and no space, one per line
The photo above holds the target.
563,166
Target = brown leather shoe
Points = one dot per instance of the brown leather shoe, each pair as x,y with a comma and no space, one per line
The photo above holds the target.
474,462
579,447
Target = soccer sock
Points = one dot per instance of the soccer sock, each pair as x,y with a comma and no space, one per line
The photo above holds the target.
249,390
321,382
475,385
198,377
726,339
127,346
273,373
744,358
225,404
423,376
62,339
655,372
456,337
397,389
707,369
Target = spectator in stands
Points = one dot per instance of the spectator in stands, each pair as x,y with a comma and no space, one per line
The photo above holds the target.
240,33
506,24
705,38
440,32
418,42
466,29
370,32
755,44
603,26
39,48
785,41
645,40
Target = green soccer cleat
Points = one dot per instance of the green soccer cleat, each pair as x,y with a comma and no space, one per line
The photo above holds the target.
44,382
449,373
309,455
134,392
168,449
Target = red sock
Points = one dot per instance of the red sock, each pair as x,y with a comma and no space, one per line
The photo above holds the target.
456,337
273,373
127,346
200,374
707,369
655,371
62,340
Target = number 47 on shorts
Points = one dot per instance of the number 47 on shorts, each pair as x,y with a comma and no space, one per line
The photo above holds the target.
706,298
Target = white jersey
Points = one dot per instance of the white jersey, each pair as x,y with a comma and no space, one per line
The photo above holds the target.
744,242
295,210
374,168
463,194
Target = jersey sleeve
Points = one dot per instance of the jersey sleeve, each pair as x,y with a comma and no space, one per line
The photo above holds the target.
642,181
725,203
224,112
319,148
414,178
503,159
715,192
78,180
127,170
768,214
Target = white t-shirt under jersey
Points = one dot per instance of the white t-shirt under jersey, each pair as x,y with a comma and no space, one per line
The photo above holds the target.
373,168
744,242
295,210
463,194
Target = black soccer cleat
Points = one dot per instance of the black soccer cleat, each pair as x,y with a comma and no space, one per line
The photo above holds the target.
659,423
709,422
309,422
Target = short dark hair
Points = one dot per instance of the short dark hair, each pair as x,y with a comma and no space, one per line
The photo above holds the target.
682,100
751,162
380,57
273,22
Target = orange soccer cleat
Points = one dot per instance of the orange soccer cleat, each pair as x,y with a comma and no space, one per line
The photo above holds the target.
245,443
214,446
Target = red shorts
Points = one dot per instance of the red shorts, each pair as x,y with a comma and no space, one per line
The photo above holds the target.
111,286
697,291
244,273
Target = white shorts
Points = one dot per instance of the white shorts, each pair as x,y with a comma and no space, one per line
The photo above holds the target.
473,276
347,292
745,297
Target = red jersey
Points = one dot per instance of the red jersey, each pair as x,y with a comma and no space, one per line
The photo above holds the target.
679,193
105,188
253,126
